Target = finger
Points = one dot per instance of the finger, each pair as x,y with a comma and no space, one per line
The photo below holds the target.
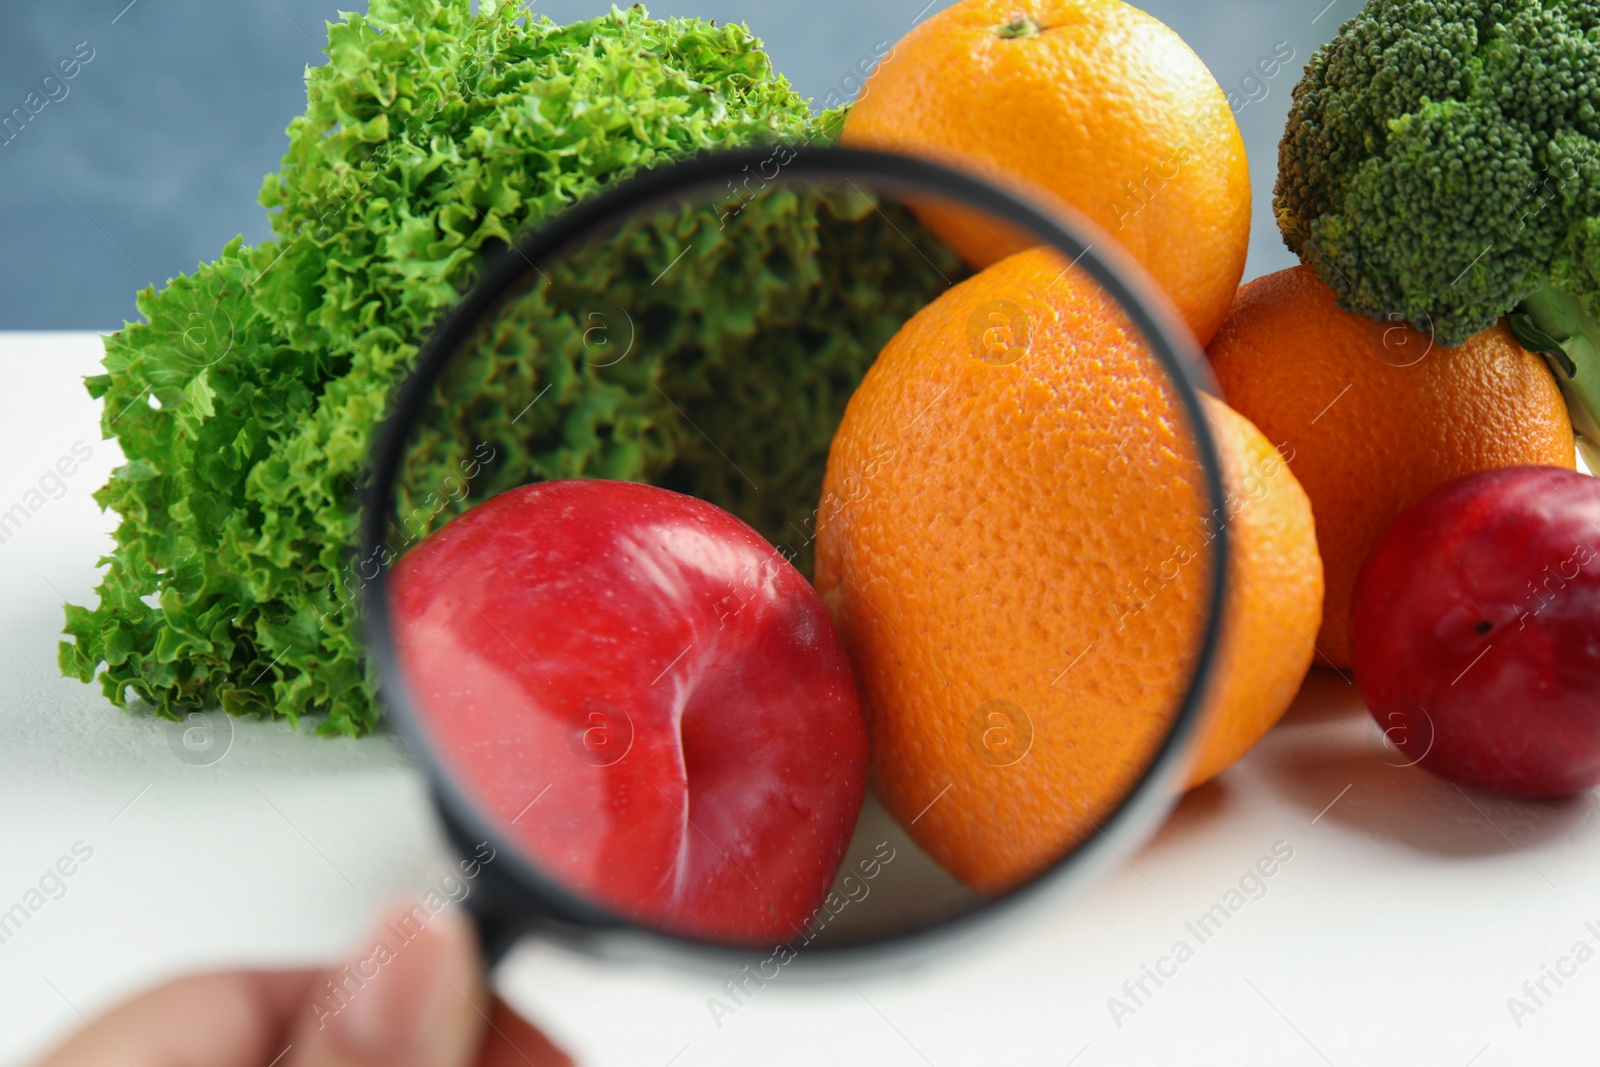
234,1019
412,995
514,1042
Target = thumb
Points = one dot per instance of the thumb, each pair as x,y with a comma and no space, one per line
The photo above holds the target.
412,994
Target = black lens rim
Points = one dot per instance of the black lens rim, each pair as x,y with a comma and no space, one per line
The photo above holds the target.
549,906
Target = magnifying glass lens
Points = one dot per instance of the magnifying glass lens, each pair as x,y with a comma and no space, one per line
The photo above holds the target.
769,575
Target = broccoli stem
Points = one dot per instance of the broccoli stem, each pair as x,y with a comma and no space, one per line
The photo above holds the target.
1555,324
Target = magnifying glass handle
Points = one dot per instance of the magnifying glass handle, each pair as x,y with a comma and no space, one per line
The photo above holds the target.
497,932
504,905
499,911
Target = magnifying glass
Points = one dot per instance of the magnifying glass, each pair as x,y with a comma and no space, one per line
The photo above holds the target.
623,468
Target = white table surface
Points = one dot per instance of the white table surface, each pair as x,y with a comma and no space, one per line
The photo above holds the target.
1407,917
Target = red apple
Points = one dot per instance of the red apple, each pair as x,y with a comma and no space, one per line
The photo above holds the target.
650,699
1475,631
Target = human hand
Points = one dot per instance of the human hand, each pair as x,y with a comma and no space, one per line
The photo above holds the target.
410,996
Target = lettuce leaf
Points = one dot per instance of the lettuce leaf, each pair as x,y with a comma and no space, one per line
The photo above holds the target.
247,399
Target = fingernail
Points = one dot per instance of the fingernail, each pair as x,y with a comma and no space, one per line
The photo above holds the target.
410,989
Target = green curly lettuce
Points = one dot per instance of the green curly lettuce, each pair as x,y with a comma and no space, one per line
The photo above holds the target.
247,400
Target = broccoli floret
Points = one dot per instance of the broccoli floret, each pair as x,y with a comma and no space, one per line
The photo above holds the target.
1441,165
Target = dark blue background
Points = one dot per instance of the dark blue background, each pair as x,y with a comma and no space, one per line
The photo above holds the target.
152,160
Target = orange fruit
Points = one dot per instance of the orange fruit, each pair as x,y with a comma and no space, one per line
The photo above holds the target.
1373,416
1013,541
1274,600
1092,101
